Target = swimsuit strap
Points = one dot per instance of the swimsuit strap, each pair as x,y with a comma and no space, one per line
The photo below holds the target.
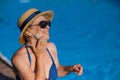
50,55
53,70
29,58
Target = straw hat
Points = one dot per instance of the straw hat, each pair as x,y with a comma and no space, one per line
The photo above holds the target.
28,17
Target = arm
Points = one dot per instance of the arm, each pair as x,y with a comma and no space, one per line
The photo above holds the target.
40,68
24,70
64,70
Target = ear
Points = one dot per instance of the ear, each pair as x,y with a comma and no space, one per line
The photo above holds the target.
27,33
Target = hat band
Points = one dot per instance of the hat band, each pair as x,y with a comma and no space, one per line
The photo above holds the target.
28,19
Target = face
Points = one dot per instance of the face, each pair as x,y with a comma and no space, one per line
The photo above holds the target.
36,30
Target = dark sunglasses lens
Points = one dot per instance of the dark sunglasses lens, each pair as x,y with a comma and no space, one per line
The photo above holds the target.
49,23
43,24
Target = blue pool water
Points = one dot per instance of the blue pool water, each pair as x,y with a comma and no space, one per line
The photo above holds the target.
84,31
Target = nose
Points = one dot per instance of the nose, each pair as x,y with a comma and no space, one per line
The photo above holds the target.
47,26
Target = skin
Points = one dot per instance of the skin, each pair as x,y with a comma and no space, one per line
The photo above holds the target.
41,61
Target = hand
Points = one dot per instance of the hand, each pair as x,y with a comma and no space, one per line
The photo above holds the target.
78,69
38,47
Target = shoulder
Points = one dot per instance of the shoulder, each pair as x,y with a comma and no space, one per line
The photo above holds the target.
53,49
19,57
52,45
21,65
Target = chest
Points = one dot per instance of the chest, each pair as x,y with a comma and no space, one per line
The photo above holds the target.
48,62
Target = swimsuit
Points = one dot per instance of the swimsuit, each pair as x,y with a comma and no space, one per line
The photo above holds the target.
53,70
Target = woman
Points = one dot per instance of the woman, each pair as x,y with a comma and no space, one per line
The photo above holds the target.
37,58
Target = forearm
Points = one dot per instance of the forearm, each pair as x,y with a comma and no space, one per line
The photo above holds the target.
64,70
40,69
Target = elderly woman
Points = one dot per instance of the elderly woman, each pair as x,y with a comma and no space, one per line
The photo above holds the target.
37,58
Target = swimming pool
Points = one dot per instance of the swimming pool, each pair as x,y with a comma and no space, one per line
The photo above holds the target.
85,32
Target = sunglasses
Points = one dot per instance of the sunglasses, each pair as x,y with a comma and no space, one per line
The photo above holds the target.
43,24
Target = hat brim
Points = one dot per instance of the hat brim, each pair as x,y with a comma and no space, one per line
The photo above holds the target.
47,14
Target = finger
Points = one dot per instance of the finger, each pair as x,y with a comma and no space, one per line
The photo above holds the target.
38,42
41,44
77,69
32,46
81,71
44,44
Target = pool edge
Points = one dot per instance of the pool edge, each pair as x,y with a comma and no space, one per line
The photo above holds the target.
5,59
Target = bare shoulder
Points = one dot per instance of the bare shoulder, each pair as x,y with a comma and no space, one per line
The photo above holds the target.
21,64
19,57
53,47
51,44
18,53
54,52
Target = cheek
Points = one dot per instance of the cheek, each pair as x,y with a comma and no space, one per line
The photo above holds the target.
35,30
